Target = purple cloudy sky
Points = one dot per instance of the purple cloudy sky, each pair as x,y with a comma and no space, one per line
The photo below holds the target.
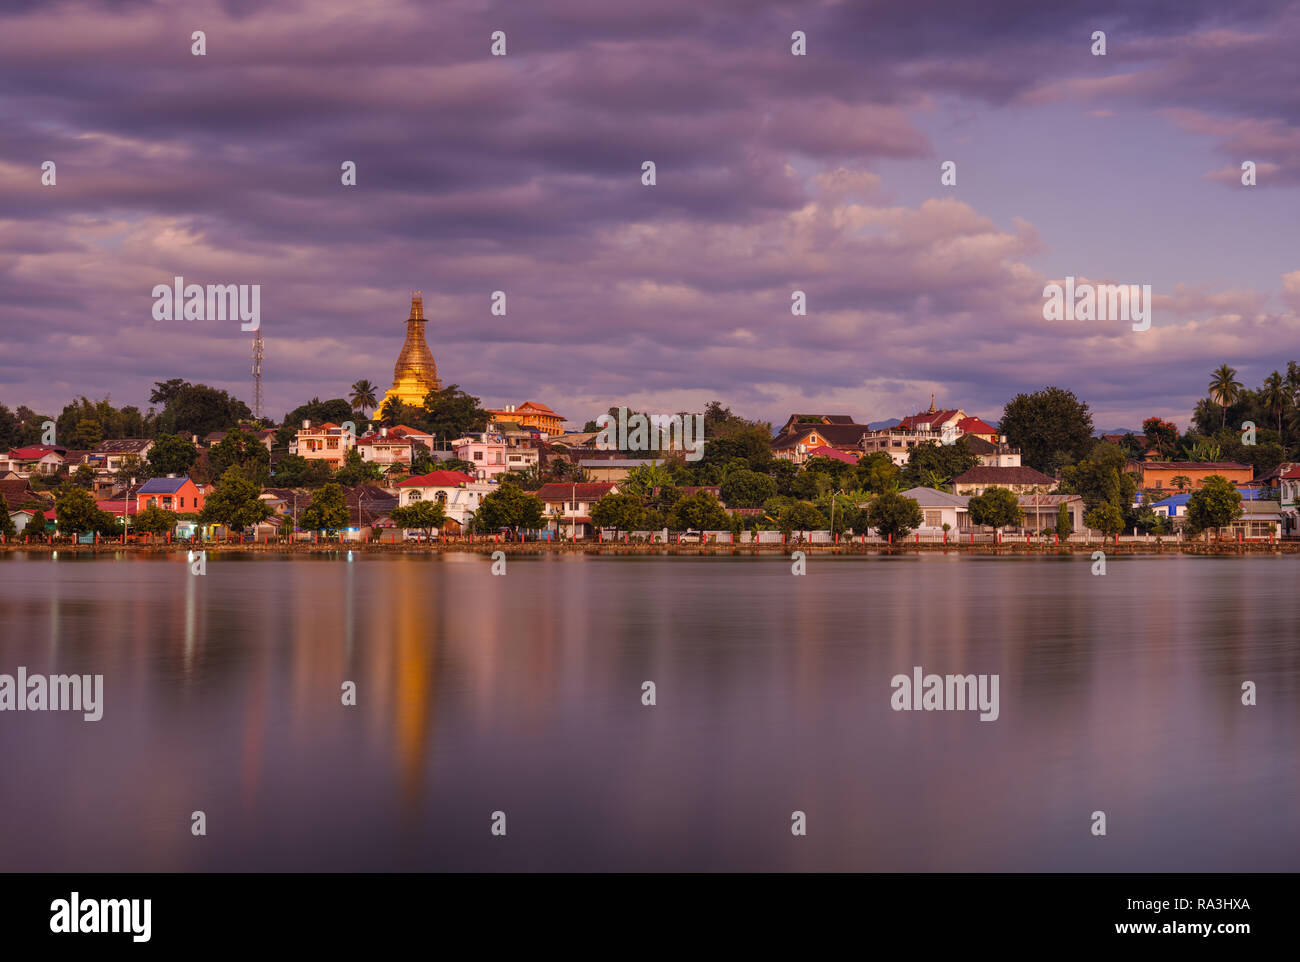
775,173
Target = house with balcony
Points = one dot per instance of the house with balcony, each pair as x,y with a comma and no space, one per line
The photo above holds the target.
802,433
327,442
459,494
39,459
385,449
531,415
569,503
173,493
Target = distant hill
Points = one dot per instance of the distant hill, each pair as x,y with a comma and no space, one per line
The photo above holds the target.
878,425
1097,434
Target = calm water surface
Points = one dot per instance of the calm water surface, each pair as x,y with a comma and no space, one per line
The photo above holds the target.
523,694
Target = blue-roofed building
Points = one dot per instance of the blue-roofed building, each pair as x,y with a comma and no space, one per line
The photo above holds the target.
1175,506
172,493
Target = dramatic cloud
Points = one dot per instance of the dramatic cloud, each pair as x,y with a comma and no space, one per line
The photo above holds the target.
522,173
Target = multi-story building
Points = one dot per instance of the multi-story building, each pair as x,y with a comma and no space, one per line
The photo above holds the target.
1160,475
491,455
802,433
459,494
327,442
385,449
531,414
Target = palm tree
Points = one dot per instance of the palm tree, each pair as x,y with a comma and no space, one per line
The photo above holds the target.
935,479
1225,389
363,396
1181,481
1274,398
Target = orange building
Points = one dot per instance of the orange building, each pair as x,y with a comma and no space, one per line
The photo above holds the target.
171,493
531,414
1161,474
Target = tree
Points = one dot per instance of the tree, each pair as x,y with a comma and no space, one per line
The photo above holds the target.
1225,389
196,409
335,410
842,510
877,473
934,465
893,514
644,478
84,476
1064,526
295,471
1217,504
10,428
132,467
451,413
1106,518
154,520
362,397
1274,396
699,512
747,489
328,510
7,527
1161,435
509,507
77,513
172,454
1101,478
355,470
1047,426
800,516
88,433
426,516
235,502
241,449
622,512
1181,481
996,508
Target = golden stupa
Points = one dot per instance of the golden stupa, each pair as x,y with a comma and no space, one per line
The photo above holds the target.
416,373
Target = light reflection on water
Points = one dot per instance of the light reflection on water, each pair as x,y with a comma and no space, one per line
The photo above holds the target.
522,694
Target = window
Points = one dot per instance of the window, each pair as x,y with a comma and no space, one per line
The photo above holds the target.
442,497
933,519
478,455
182,502
414,496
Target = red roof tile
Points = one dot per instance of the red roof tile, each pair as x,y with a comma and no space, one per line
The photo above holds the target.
571,491
437,479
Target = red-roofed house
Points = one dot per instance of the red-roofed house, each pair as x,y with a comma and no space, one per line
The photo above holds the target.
531,414
459,494
569,504
977,427
1289,485
829,452
36,459
326,442
385,449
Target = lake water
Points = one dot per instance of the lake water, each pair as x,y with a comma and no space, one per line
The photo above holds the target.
523,694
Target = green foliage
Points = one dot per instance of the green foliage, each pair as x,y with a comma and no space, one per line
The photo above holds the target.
1162,435
335,410
800,516
893,514
363,396
196,409
1215,505
172,454
622,512
451,413
356,471
1050,427
84,423
84,476
154,520
934,465
700,511
328,510
426,516
7,527
295,471
747,489
241,449
996,508
842,511
234,502
1224,389
644,478
1100,478
810,485
1106,518
509,507
1064,526
77,513
877,473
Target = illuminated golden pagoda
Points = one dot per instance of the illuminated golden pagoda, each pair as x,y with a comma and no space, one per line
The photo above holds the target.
415,373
